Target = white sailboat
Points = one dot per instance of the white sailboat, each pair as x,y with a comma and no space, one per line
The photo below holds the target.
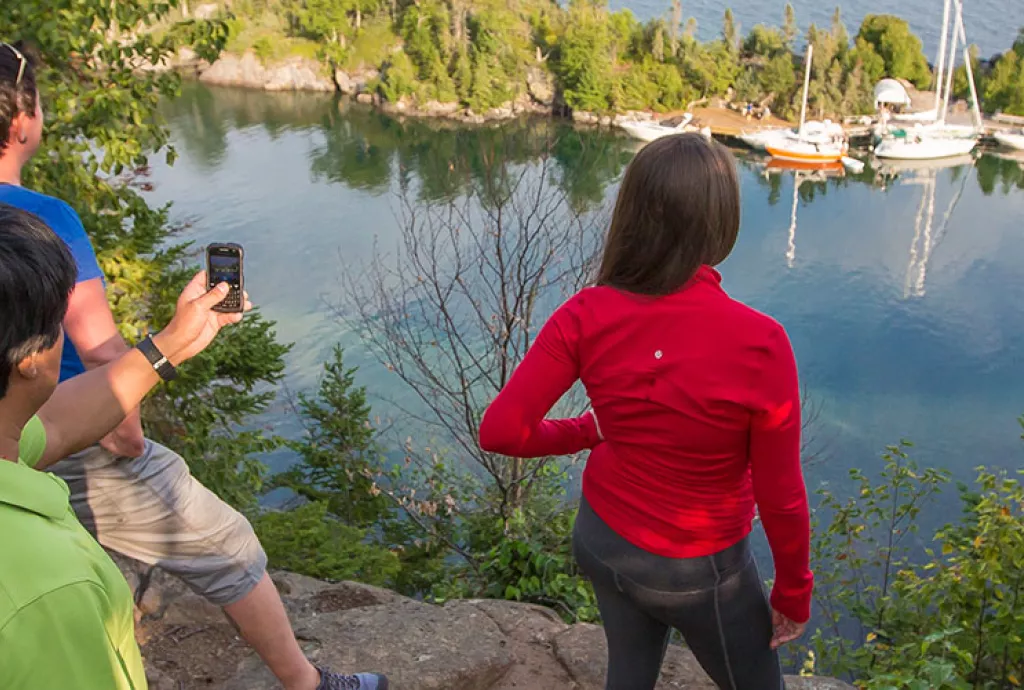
823,145
923,144
932,140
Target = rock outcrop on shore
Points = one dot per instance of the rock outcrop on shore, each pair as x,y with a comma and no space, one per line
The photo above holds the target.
539,96
462,645
293,74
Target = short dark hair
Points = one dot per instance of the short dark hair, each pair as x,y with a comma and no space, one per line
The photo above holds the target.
678,208
15,96
37,274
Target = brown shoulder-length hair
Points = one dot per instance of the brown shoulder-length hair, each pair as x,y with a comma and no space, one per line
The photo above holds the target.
678,208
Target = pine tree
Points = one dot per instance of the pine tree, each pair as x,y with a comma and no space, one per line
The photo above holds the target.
658,45
730,32
839,33
481,92
462,71
691,28
677,19
789,28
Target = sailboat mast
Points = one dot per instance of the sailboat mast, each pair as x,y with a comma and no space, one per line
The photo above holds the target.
941,60
975,107
950,69
807,85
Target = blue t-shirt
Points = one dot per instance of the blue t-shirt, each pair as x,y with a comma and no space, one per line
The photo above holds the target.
63,220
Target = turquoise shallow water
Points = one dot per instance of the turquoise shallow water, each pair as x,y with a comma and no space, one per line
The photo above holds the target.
901,330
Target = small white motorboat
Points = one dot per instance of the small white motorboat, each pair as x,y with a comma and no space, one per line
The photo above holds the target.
853,165
1011,139
651,130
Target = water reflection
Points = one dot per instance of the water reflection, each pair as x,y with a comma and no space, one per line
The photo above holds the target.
366,150
900,286
1003,172
815,177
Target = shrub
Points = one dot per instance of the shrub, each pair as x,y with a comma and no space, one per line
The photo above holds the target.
264,49
309,541
951,620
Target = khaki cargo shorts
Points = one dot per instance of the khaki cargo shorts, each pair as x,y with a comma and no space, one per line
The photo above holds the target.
153,510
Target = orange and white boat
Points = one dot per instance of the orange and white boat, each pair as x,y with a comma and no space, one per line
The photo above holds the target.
821,145
814,149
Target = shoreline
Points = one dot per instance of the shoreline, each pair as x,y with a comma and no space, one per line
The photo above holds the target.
305,75
247,71
539,99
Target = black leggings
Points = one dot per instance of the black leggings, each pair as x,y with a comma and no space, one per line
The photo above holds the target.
717,602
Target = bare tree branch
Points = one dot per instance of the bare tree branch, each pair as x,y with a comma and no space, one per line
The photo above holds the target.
454,308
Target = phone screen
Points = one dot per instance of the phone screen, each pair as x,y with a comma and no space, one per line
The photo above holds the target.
225,269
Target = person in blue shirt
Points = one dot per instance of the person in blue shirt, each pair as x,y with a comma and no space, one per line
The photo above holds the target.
136,496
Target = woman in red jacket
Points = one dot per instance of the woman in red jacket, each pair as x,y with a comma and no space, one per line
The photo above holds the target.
695,420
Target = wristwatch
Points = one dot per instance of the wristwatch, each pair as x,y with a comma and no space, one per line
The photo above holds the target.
160,363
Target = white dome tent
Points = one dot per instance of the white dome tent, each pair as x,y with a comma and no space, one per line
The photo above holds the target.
891,93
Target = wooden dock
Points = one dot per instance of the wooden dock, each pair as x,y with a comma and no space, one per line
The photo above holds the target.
729,124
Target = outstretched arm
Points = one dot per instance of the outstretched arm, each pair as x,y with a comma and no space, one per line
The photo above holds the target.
84,409
514,424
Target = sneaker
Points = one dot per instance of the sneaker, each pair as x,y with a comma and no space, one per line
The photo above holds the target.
360,681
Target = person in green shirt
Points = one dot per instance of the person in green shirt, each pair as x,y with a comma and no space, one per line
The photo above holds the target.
66,612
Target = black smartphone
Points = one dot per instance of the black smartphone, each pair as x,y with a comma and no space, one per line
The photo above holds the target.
224,261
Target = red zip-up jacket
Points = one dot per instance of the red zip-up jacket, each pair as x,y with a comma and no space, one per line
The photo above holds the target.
699,405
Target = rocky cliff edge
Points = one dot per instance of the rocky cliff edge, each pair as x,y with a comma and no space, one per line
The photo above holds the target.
462,645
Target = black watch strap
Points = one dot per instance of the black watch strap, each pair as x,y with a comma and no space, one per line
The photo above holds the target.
162,365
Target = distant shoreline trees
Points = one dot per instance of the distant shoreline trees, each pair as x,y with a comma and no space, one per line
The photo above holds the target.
481,54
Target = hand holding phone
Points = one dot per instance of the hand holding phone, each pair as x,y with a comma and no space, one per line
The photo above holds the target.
224,261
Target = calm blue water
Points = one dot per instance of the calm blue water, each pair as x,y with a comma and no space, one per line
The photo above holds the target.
991,24
901,330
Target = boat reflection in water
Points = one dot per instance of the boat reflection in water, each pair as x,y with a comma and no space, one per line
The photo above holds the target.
833,169
927,236
802,172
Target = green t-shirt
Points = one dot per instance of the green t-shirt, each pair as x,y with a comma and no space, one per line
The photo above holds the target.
66,618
